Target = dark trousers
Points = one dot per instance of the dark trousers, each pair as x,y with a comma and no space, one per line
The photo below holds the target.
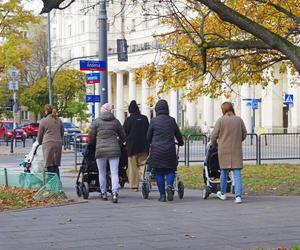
54,169
164,175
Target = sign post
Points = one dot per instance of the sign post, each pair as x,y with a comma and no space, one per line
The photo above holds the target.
93,78
13,73
289,101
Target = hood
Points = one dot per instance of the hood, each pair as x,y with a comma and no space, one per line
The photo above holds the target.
133,107
107,116
162,107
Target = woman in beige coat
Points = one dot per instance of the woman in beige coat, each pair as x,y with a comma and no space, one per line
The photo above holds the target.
228,134
50,136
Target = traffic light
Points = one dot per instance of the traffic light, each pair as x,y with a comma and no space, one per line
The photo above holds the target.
54,4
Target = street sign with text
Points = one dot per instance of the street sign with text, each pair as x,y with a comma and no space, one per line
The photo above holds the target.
93,65
93,78
13,85
92,98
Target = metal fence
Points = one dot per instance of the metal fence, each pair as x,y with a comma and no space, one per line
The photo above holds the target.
279,146
258,148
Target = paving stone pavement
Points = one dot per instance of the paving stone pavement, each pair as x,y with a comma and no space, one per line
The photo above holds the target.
134,223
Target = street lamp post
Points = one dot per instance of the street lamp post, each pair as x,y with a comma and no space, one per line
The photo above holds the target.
49,61
102,91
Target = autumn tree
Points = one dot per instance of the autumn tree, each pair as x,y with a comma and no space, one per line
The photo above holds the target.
68,95
212,43
15,48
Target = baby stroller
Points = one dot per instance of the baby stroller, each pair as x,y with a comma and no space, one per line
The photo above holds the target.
149,176
89,173
211,173
33,163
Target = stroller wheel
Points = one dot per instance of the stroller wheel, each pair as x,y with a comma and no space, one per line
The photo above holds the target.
145,190
85,190
78,190
206,192
180,189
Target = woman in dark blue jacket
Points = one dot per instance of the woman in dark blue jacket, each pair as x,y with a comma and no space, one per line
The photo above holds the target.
161,135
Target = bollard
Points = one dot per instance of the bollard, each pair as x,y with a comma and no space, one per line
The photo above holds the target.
11,146
5,177
24,142
44,177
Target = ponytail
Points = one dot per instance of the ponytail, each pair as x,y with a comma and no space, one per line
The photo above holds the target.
50,110
54,114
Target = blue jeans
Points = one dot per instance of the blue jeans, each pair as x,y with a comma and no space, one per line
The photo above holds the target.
237,181
161,174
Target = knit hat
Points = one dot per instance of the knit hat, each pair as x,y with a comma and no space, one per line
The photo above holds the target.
106,108
133,107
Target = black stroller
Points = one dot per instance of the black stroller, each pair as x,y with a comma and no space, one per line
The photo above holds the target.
90,176
150,176
211,173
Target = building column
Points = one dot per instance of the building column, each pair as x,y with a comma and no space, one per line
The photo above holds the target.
208,111
119,97
131,86
272,104
294,113
109,90
173,105
191,114
246,110
145,94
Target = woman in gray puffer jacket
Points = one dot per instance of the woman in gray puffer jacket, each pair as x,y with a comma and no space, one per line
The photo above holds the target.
108,134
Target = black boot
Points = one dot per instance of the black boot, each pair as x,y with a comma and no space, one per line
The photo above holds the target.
162,198
170,193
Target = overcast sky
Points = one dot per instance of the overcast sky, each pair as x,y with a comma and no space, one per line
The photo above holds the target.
34,5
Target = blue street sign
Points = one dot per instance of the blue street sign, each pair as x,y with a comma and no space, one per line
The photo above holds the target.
93,78
289,99
92,98
93,65
254,105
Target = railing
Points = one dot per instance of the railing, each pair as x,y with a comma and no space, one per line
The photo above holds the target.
279,146
258,148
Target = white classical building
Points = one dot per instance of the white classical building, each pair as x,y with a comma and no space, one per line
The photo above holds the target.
74,33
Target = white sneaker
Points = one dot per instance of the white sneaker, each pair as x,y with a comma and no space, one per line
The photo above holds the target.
223,197
238,200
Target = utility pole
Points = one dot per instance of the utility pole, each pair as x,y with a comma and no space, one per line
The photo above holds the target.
102,90
49,61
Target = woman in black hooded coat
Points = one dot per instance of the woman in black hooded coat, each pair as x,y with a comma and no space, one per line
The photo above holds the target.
161,135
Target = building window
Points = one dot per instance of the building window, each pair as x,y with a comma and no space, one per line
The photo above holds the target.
24,115
132,24
70,29
146,23
70,54
83,51
82,26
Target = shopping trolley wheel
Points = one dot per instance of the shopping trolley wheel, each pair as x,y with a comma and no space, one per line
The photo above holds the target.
78,189
145,190
180,189
85,190
206,192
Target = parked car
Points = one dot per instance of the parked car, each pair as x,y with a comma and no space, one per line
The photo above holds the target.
71,129
7,131
31,129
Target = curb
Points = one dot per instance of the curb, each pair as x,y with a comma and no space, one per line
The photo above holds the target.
49,206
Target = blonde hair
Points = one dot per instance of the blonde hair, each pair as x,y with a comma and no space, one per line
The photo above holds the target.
50,110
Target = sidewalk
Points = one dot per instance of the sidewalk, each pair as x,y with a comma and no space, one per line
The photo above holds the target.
134,223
